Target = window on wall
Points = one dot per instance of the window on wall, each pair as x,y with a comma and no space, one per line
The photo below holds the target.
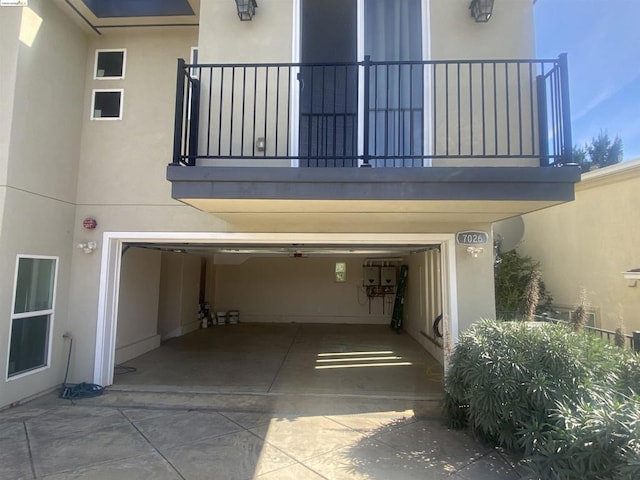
32,314
110,64
107,104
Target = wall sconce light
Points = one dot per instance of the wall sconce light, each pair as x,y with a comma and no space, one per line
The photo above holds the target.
475,251
632,277
88,247
481,10
246,9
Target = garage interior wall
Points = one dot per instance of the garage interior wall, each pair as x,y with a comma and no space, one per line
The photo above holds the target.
179,290
424,300
137,330
159,294
304,290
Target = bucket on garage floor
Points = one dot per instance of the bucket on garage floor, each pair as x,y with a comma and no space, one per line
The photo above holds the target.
222,318
233,316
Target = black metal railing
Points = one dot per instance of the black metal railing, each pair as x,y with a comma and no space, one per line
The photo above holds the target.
378,114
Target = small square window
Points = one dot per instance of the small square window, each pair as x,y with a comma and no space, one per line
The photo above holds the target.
106,104
109,64
341,272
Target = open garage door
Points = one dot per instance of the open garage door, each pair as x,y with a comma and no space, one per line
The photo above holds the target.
156,285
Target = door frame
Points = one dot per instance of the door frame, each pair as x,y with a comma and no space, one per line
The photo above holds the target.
296,49
111,262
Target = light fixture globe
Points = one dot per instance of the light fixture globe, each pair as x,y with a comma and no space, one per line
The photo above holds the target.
481,10
246,9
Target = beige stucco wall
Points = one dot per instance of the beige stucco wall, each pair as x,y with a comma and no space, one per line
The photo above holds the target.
589,243
39,153
123,161
114,171
138,303
9,31
301,290
455,34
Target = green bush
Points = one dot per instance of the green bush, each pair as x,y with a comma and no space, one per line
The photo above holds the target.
530,387
598,439
512,276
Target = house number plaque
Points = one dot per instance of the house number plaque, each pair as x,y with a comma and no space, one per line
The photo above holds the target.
472,237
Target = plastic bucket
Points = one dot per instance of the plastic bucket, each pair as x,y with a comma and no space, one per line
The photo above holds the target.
222,318
233,316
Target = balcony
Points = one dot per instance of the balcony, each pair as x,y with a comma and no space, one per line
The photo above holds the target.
365,131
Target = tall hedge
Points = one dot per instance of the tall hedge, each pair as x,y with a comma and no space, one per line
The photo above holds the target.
559,397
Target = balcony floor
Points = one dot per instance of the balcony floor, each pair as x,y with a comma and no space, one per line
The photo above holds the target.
359,199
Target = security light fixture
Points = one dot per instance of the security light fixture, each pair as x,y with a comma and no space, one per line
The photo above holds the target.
246,9
481,10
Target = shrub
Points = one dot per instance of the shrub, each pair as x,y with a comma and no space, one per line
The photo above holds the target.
513,274
530,387
598,439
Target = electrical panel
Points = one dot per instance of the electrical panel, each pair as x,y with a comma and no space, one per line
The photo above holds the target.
388,276
371,275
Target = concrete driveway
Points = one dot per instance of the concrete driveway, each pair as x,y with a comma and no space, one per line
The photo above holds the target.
289,420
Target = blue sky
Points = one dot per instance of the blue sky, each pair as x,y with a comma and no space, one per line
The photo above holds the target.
602,39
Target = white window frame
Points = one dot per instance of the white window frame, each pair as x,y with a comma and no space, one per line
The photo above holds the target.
93,102
107,50
36,313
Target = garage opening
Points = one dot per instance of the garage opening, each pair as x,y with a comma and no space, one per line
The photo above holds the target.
278,318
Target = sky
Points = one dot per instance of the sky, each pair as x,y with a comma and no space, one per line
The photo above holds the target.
602,40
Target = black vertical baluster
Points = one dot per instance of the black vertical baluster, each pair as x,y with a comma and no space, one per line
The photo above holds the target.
566,110
288,131
210,101
471,108
519,66
411,140
187,123
506,90
255,109
335,113
434,102
277,111
495,107
531,106
311,103
244,101
233,96
484,128
322,121
398,149
266,106
220,113
387,107
459,116
446,107
375,111
365,120
542,118
179,113
194,124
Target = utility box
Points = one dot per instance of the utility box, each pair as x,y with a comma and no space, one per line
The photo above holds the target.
388,277
371,276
